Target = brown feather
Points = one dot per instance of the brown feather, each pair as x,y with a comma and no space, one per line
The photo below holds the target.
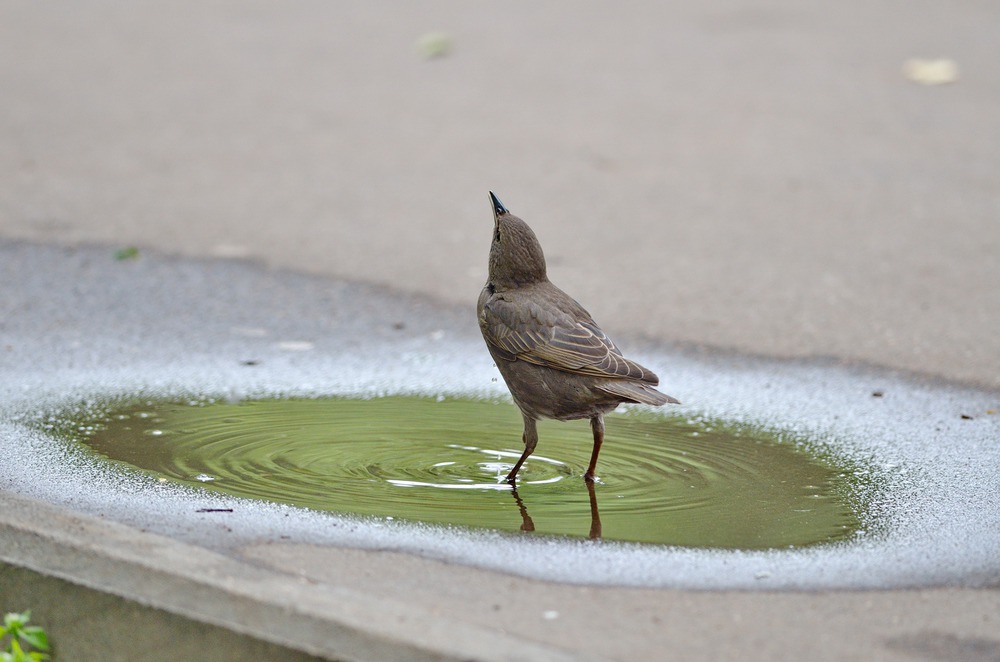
520,328
636,392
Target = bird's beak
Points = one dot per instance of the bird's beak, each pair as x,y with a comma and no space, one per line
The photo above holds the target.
498,208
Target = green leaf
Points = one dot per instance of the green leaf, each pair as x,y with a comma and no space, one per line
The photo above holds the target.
13,621
434,44
36,637
127,253
17,655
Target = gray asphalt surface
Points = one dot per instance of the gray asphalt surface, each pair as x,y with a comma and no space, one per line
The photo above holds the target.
757,177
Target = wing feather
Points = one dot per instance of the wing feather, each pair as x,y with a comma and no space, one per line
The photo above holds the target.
524,330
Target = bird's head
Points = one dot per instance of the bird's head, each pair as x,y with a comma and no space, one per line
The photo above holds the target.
515,256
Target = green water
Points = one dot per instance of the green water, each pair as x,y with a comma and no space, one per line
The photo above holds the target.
663,480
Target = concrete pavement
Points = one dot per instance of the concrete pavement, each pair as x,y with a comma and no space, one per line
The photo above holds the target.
754,177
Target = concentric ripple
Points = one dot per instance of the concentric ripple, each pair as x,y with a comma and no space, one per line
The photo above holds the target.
663,480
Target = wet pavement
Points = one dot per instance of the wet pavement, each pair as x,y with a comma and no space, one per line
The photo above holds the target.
89,327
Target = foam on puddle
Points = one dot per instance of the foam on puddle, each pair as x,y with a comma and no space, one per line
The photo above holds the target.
937,523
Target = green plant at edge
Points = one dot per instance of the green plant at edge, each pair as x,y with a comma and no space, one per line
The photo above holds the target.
16,627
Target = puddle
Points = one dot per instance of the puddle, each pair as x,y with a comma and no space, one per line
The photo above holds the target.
693,483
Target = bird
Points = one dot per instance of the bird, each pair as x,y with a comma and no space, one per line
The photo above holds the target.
554,358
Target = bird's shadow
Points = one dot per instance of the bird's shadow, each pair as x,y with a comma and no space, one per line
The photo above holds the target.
528,524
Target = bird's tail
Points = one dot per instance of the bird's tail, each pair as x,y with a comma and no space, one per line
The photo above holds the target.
636,392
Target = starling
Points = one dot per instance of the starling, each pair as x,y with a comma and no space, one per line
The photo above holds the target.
554,358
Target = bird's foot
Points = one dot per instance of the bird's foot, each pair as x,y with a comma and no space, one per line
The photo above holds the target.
591,478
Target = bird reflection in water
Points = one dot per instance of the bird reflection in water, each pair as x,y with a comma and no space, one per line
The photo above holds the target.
528,524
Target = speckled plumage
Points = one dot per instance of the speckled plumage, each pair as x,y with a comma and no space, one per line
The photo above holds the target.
554,358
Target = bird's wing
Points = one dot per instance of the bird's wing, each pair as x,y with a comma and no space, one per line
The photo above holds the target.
556,339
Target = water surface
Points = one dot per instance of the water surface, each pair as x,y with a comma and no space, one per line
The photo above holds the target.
694,483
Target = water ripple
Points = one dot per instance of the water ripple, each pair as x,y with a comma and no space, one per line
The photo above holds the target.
664,480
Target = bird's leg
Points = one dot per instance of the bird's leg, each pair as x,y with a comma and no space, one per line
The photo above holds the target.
597,425
530,441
